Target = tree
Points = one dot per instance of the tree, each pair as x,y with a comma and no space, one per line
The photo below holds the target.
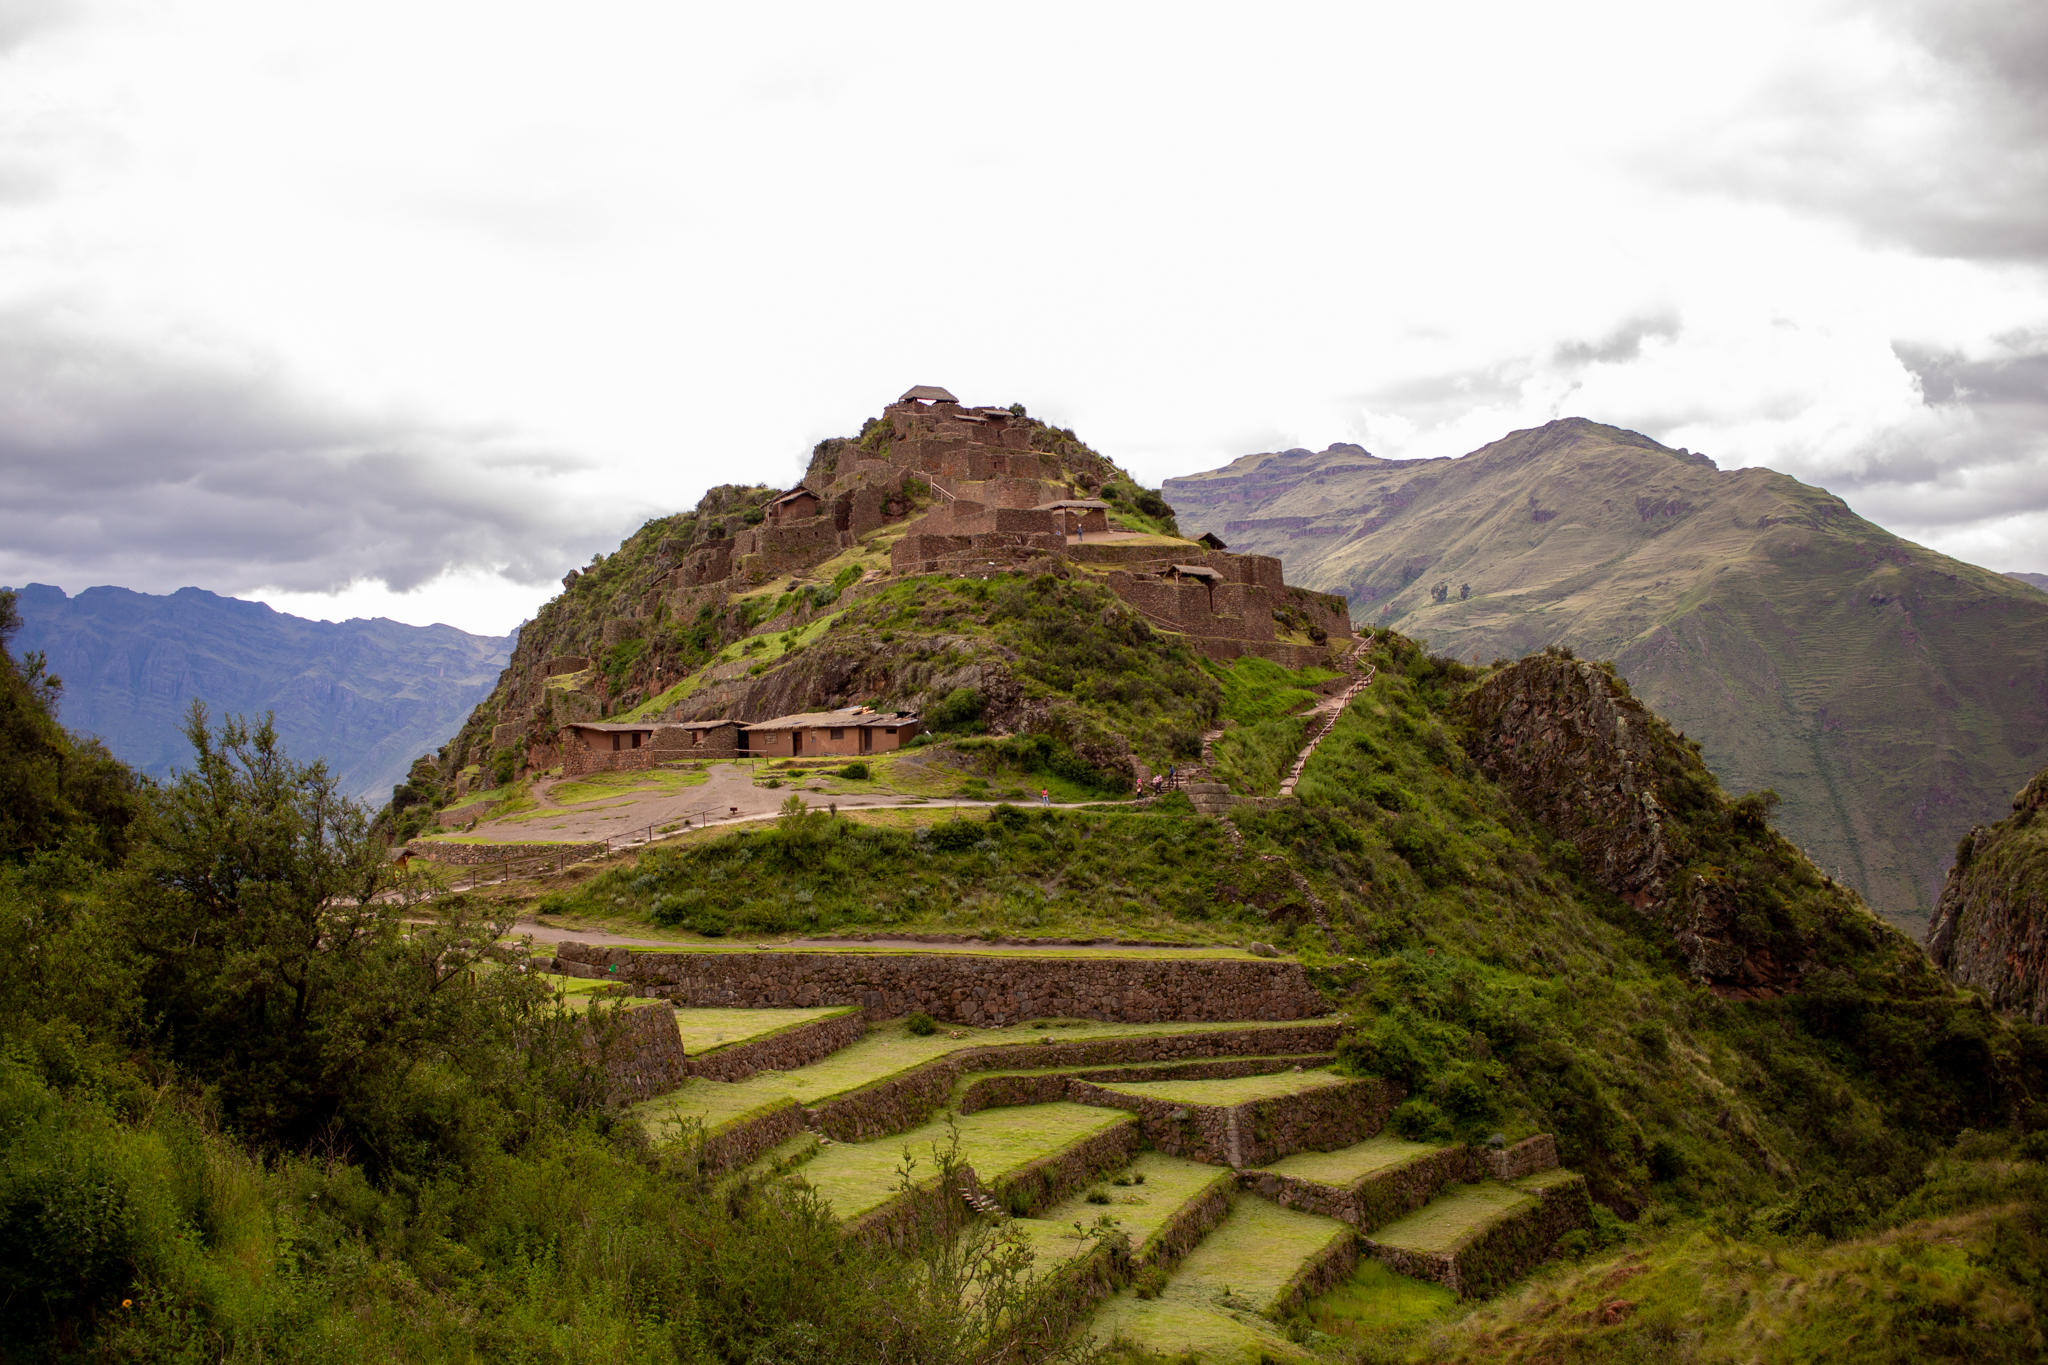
278,969
54,788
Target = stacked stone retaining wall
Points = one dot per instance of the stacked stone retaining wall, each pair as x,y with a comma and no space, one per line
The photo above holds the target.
785,1050
748,1136
973,989
1526,1157
1375,1200
1047,1087
478,855
903,1101
1321,1273
1257,1131
638,1047
1499,1252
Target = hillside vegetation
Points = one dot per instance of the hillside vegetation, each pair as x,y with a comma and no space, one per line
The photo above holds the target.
1890,695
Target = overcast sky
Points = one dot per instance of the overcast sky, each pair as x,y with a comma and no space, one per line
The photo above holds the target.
405,309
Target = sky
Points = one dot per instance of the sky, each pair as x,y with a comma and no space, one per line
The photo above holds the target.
407,309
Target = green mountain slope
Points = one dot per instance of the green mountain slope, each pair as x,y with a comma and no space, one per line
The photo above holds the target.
1893,696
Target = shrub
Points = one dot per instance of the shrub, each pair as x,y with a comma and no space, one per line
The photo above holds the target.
921,1024
504,764
857,771
1420,1121
1098,1196
959,710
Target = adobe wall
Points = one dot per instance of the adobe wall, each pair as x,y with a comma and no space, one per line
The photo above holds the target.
970,989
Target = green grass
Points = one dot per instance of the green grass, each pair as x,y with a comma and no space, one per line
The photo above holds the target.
1140,1210
1256,689
1211,1302
1230,1090
1377,1303
1445,1221
854,1177
600,786
1352,1164
705,1029
887,1050
766,648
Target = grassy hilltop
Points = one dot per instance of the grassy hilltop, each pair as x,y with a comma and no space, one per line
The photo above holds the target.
1891,695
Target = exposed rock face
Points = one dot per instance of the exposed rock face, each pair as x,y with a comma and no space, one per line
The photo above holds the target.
1990,927
1584,758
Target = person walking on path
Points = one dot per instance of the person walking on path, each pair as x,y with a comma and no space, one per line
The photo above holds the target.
1045,796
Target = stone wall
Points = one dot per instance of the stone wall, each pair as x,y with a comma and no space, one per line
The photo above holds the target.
1526,1157
1322,1272
1037,1186
638,1047
739,1140
483,855
785,1050
1378,1198
1495,1254
1258,1131
903,1101
971,989
1046,1087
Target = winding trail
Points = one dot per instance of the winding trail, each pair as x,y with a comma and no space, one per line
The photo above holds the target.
1323,718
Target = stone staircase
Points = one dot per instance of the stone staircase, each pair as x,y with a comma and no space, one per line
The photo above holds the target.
1324,718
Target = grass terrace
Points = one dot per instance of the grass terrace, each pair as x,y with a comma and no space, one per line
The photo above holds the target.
889,1049
1346,1167
704,1030
854,1177
1230,1090
1141,1200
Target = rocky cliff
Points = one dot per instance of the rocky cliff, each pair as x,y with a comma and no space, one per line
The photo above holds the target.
1893,696
1990,927
1745,910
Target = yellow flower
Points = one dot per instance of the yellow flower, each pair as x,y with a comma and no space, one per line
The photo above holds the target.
127,1303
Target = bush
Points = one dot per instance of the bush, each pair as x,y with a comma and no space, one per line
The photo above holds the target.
504,765
921,1024
960,710
1421,1121
857,771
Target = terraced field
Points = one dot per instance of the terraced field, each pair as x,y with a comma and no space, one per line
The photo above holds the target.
1222,1263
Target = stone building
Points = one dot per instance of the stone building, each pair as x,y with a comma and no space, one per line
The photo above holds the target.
599,746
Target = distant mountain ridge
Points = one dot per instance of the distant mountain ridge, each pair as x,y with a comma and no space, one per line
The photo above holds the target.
2039,580
368,696
1893,696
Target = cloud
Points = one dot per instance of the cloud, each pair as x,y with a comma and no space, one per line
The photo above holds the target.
155,467
21,20
1922,122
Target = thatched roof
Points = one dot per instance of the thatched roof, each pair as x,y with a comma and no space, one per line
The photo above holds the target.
927,393
1212,540
855,716
793,494
1195,571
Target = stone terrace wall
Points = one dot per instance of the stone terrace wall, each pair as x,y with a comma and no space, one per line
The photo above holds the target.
1376,1200
1526,1157
746,1137
786,1050
1046,1087
968,989
1497,1253
478,855
1323,1272
1258,1131
903,1101
638,1047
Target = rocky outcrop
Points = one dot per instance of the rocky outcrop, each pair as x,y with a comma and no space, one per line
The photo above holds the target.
1582,756
1990,929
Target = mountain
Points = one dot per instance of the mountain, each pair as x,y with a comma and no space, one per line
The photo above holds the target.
1991,925
1892,696
2039,580
367,696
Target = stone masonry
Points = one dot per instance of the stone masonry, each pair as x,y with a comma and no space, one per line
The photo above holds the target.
972,989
